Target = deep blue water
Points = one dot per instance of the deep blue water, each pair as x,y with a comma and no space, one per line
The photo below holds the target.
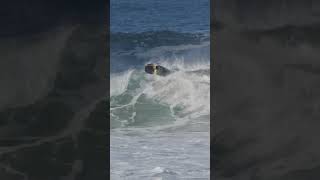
140,25
158,15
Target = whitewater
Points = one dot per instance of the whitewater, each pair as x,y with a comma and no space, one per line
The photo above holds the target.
160,125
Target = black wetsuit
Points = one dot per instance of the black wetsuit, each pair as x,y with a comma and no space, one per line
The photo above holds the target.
156,69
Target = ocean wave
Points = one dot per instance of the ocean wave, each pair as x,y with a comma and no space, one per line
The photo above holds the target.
143,100
132,50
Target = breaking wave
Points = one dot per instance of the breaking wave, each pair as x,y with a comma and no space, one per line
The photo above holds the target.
143,100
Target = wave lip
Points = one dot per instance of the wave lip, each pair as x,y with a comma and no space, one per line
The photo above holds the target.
119,83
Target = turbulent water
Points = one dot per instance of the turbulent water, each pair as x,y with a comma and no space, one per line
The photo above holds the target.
160,125
143,100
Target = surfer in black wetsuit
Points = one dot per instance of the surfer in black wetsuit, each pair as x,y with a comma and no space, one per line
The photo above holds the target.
156,69
162,71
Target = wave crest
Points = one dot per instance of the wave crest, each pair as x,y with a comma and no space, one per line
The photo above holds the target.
139,99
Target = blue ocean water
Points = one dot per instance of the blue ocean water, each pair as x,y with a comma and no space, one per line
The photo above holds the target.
159,125
158,15
138,25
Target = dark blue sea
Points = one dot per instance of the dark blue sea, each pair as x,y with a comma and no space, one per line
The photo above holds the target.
160,125
160,15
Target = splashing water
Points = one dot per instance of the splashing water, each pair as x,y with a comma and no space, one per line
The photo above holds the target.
139,99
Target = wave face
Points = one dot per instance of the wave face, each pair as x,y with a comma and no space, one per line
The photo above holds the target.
143,100
139,99
155,119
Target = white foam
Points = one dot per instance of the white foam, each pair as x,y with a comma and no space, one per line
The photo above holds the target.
183,88
119,82
184,156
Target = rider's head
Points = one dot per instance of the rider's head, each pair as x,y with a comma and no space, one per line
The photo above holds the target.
151,68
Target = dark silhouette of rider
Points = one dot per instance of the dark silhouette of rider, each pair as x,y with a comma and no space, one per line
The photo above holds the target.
156,69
